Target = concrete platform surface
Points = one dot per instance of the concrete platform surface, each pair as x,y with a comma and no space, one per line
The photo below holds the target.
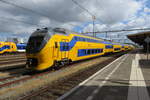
126,78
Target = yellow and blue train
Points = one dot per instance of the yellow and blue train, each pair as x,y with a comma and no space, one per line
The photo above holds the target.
54,47
11,47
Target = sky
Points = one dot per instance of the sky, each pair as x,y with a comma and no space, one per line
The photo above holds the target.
22,20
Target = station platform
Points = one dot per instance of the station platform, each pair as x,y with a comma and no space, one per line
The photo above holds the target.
126,78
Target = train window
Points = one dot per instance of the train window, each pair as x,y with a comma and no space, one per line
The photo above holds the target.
93,51
63,46
97,50
78,39
75,38
88,52
86,39
83,39
100,50
56,45
85,52
67,46
89,40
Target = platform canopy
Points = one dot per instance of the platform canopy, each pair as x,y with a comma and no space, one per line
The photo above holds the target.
139,38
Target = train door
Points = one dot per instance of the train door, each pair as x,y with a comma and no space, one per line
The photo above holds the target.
65,49
55,50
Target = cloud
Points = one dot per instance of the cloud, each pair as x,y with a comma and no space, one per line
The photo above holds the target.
110,15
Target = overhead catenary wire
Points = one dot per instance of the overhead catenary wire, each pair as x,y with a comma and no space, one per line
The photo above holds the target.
135,29
28,9
24,22
93,16
24,8
103,8
82,7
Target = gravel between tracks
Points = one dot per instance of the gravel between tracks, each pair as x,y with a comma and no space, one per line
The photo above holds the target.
13,92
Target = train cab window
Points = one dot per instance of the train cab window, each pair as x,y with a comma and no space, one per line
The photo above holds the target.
38,40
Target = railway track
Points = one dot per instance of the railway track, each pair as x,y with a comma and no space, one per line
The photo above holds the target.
11,80
2,62
9,67
2,57
12,54
11,58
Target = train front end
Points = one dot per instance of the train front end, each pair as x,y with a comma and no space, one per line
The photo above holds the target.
38,50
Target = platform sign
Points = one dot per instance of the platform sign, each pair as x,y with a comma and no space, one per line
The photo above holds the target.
147,40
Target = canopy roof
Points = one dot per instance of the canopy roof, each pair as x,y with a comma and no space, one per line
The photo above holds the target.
139,37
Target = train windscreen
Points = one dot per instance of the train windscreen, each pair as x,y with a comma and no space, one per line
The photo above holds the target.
37,40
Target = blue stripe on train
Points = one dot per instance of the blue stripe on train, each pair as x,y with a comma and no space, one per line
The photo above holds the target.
85,52
66,46
109,46
4,47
